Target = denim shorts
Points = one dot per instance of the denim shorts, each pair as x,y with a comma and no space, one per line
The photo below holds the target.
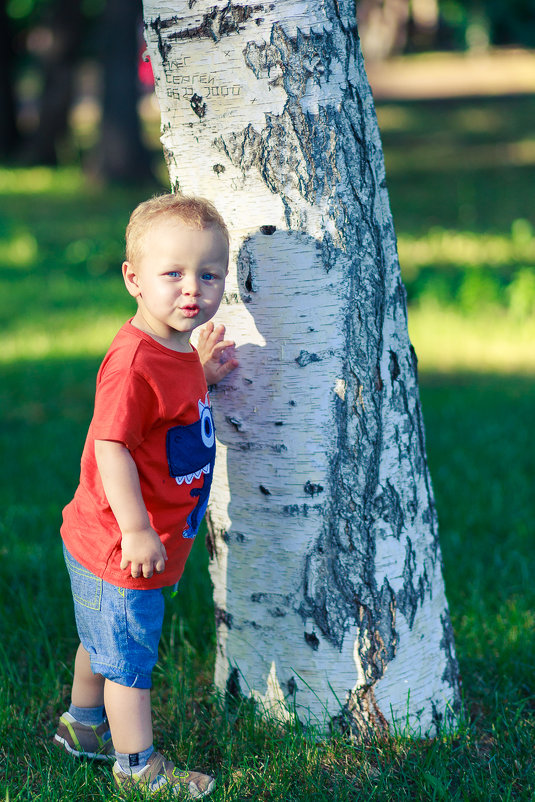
119,627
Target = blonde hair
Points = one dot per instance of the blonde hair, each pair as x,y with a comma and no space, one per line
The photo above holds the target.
196,212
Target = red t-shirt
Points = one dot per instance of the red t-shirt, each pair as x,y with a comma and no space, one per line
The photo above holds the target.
155,401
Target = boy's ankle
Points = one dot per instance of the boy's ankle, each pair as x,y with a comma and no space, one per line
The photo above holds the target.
134,762
91,716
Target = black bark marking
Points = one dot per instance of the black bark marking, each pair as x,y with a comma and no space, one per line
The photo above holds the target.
234,422
295,510
387,507
218,169
198,106
223,617
210,543
313,641
272,598
410,596
212,535
378,379
361,716
311,489
218,23
233,688
163,47
264,490
246,268
451,672
305,358
277,448
393,366
268,230
292,686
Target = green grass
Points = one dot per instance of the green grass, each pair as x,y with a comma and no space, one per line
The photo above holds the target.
61,299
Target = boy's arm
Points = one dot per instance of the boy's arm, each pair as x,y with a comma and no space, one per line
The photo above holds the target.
140,544
211,348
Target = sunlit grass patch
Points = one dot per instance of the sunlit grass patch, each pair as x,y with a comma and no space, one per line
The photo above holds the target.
70,335
447,341
441,248
18,249
41,180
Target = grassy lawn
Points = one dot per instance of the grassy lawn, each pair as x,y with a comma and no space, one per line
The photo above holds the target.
461,179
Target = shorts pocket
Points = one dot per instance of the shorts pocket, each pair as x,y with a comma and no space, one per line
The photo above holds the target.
86,587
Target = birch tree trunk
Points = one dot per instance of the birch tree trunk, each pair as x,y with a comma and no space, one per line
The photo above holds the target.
323,534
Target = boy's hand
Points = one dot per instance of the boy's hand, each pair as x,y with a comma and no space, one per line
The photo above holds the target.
212,349
145,553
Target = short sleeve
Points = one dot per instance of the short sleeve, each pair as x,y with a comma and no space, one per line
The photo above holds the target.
126,407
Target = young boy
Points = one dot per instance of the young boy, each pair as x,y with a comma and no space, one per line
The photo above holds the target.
145,478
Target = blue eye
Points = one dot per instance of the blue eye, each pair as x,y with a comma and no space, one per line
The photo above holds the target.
207,276
173,273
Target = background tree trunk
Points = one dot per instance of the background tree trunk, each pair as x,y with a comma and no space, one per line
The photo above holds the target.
322,525
388,27
59,66
9,135
121,154
383,27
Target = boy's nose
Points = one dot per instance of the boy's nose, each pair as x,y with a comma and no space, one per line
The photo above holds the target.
190,285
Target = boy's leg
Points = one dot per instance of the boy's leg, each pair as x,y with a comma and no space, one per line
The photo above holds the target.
130,718
87,688
83,730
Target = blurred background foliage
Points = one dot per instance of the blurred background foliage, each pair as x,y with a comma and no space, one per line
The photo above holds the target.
54,54
60,56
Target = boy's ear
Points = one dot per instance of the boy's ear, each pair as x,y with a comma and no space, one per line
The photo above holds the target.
130,279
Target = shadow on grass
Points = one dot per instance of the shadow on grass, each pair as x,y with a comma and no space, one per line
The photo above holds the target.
481,451
460,163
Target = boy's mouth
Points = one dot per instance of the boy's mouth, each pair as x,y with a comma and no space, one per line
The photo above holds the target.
190,311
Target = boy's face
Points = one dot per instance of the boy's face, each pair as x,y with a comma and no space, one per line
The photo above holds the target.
178,280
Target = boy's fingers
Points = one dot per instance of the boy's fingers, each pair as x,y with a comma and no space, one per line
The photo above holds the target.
206,331
227,367
216,332
148,569
222,344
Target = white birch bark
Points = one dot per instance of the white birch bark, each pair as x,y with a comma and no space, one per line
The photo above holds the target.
322,526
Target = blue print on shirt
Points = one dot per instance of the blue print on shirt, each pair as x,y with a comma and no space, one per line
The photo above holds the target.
191,454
